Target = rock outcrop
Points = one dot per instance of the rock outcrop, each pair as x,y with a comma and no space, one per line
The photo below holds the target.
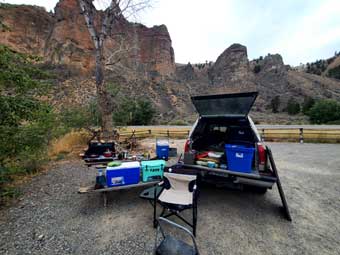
272,63
147,68
25,28
185,72
232,69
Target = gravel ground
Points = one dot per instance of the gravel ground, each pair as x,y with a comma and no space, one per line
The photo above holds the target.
51,218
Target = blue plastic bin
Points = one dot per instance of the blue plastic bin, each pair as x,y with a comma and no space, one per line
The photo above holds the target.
239,158
125,174
162,149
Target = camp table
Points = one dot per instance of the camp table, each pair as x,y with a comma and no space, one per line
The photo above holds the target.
105,191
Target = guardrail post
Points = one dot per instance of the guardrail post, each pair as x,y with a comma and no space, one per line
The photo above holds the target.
301,135
262,135
168,132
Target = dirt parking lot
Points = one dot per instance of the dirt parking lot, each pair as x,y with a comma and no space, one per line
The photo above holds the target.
51,218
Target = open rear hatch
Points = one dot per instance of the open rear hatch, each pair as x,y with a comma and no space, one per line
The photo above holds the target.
223,127
224,105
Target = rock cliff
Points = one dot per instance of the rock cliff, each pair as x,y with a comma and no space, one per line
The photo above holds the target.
62,38
147,69
25,28
232,69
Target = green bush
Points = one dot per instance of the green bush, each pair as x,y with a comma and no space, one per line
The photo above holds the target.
275,104
26,124
257,68
80,117
308,102
293,107
324,111
334,73
133,112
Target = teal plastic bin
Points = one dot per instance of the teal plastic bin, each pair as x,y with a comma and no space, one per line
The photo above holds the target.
152,170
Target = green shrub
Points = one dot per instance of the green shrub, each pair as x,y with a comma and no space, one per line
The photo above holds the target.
334,73
26,124
275,104
257,68
8,192
7,6
334,122
308,102
293,107
133,112
324,111
79,117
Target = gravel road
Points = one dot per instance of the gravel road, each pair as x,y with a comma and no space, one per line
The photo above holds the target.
51,218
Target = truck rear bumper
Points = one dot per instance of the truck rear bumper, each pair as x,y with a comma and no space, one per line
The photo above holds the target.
252,182
254,178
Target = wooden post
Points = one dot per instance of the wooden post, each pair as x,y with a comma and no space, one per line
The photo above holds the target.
168,133
279,186
105,198
301,135
262,134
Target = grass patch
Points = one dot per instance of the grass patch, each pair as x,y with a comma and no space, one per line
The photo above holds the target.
19,171
9,193
71,143
62,155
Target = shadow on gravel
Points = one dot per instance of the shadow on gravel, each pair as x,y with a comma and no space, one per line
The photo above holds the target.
244,202
122,199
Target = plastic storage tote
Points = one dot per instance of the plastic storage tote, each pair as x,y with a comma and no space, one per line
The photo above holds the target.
162,148
239,158
152,170
125,174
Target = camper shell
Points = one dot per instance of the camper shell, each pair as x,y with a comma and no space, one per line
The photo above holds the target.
223,120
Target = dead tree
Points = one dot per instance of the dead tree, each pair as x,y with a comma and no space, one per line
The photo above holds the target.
99,32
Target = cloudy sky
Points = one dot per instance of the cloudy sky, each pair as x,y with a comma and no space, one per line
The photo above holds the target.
300,30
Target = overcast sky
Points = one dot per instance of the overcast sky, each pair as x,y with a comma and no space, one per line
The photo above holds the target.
300,30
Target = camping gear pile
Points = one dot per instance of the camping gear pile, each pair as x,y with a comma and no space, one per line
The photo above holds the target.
128,173
126,168
236,157
105,152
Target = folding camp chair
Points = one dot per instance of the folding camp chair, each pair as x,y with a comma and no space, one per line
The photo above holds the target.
172,246
178,194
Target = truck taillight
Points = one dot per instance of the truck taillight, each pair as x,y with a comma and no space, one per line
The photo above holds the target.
187,146
261,156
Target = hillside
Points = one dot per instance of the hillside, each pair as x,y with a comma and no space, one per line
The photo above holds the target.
149,70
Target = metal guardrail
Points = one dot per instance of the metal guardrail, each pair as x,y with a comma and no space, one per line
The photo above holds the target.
154,133
301,135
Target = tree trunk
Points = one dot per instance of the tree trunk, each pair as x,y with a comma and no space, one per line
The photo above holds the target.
113,12
103,97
